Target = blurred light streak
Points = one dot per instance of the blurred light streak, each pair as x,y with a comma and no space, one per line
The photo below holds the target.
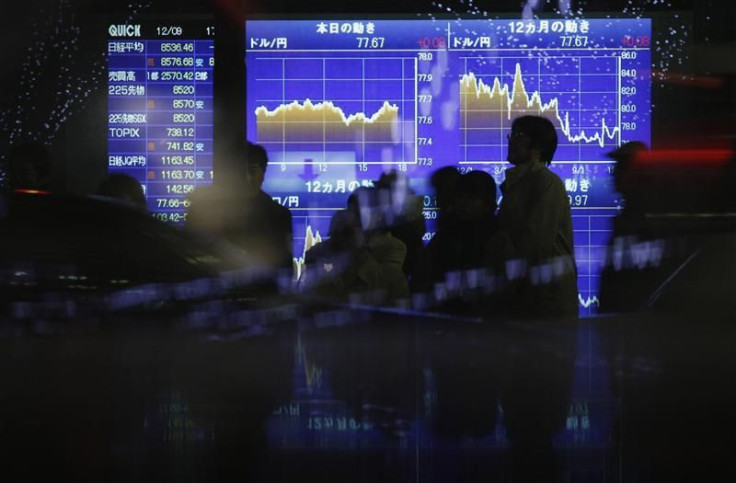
707,82
686,156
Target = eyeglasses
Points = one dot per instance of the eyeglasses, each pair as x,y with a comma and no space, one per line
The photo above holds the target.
514,134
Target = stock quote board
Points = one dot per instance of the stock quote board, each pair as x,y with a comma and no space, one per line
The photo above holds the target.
338,102
160,109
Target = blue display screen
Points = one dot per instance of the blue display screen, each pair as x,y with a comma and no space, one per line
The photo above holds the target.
338,102
160,124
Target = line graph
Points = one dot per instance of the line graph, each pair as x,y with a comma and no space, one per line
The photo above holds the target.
336,110
311,238
579,95
478,97
299,123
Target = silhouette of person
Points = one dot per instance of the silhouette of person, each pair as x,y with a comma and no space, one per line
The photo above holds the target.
329,264
372,208
624,285
407,224
236,209
386,249
460,242
625,181
358,264
663,253
123,187
535,225
459,245
29,167
475,208
354,203
444,184
266,229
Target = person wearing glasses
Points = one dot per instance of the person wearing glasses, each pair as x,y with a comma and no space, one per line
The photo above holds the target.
534,242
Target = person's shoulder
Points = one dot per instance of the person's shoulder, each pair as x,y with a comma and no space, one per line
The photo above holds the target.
388,249
319,251
281,211
545,178
436,241
276,208
387,241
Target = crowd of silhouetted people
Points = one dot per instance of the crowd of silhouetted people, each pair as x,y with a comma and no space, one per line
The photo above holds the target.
513,258
484,260
375,253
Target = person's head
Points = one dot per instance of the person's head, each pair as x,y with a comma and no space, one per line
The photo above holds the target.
371,206
476,195
395,186
532,138
345,232
625,156
444,183
256,160
123,187
29,166
387,179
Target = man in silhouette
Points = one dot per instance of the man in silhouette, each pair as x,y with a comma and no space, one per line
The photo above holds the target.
236,209
444,184
535,226
624,285
460,241
458,248
263,227
406,223
626,182
373,207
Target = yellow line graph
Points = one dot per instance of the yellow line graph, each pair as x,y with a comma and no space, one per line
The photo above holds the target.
324,122
480,101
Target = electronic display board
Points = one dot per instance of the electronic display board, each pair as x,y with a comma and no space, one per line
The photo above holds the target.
160,126
338,102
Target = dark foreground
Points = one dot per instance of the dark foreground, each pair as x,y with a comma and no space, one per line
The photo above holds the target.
356,395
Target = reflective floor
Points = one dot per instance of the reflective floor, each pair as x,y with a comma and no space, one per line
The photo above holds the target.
370,396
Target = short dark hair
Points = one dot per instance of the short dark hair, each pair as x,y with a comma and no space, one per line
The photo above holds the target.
627,153
256,154
542,133
478,184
